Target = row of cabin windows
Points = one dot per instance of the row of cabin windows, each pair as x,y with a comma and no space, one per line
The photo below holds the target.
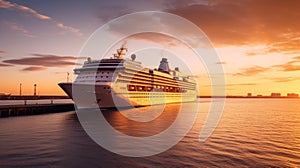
98,72
85,77
154,93
102,72
156,87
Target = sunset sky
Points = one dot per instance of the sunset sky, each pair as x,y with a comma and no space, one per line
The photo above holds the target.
258,42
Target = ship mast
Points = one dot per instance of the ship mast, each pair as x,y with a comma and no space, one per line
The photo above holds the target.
121,52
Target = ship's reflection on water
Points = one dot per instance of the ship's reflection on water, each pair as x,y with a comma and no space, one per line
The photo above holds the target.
139,132
122,123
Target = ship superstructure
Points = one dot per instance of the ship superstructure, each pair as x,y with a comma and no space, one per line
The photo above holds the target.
121,82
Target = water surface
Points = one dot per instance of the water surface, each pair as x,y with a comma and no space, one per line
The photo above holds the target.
251,133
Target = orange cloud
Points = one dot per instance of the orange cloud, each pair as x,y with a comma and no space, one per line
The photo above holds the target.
68,28
222,62
252,71
290,46
7,4
273,23
284,79
288,67
242,84
293,65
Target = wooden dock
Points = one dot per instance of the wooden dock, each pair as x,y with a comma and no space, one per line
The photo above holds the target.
33,109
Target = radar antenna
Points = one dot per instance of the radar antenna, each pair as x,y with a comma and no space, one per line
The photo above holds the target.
121,52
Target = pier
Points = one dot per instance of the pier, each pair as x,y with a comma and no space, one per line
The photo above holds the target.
33,109
30,97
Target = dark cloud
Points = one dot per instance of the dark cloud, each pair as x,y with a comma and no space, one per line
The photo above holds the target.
4,65
2,51
19,28
9,5
106,13
156,38
33,68
274,23
44,60
175,4
252,71
112,9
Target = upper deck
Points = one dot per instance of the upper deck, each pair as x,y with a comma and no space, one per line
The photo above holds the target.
128,70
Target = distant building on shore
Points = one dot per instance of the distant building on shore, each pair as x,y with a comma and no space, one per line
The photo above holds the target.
292,95
275,94
249,94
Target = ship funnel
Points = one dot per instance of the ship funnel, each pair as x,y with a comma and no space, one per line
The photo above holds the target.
89,59
133,57
164,65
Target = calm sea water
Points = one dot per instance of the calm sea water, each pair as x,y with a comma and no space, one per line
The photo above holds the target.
251,133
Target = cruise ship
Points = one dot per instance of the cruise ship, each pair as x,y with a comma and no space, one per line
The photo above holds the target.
120,82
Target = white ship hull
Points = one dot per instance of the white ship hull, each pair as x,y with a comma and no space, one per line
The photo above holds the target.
94,96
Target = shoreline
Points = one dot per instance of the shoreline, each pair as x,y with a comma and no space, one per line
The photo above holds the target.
31,97
34,109
250,97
